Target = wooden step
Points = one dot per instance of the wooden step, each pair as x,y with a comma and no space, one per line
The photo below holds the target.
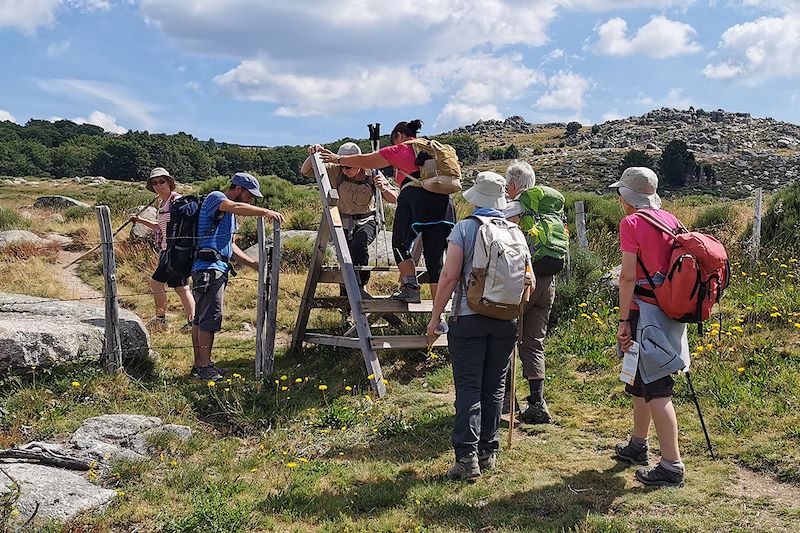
381,304
382,342
332,274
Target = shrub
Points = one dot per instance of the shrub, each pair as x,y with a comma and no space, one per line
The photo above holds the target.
10,219
122,199
537,149
247,233
636,158
603,213
296,254
278,193
77,212
573,128
586,270
595,129
781,222
303,219
713,215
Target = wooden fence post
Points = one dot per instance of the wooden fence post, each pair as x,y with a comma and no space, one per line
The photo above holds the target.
113,347
580,225
756,239
261,299
272,302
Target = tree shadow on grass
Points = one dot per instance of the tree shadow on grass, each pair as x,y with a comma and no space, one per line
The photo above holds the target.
557,506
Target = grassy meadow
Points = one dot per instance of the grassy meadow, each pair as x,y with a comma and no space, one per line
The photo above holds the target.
310,449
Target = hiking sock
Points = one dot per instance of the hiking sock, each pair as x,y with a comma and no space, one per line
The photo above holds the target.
411,281
639,442
673,466
537,390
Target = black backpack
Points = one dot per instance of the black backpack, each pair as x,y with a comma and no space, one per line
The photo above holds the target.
182,238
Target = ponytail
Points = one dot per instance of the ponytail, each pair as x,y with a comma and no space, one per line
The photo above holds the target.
409,129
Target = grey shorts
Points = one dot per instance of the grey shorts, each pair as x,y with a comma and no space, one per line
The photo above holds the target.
208,288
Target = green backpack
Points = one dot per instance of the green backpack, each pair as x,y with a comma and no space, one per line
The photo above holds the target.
543,225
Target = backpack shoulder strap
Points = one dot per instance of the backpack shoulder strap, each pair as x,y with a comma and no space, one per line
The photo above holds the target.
653,221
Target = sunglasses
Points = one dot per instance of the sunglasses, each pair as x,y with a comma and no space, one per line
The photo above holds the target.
160,182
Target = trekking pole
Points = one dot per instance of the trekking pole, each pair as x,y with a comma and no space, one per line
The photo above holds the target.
375,144
142,210
512,402
700,414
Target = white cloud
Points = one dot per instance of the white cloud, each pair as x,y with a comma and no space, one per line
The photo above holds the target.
27,15
298,95
193,86
55,49
105,121
659,38
456,114
94,91
673,99
5,115
612,115
565,90
760,50
722,71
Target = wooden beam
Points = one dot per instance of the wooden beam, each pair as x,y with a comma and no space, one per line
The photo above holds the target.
405,342
333,340
330,302
387,305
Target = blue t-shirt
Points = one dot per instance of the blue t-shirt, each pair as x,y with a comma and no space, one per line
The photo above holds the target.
221,239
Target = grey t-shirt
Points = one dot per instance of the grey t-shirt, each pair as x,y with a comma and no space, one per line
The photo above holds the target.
463,235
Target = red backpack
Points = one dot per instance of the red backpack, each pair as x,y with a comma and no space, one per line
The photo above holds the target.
698,274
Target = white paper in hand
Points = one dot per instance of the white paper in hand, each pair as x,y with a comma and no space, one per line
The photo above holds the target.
630,362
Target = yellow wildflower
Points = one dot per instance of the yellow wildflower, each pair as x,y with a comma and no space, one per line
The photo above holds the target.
76,384
292,464
303,460
236,375
348,388
371,377
284,389
284,377
582,304
740,369
211,384
298,380
323,387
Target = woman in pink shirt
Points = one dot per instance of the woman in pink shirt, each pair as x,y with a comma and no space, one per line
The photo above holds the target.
643,247
419,212
161,183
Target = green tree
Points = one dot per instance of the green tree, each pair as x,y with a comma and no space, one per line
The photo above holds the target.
467,148
637,158
122,159
512,152
677,163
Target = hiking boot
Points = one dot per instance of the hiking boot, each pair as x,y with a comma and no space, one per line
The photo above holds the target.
408,294
635,455
208,373
536,413
157,323
507,406
465,468
658,476
487,460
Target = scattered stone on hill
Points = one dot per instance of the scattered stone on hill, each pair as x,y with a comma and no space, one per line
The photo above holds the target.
51,493
13,236
62,240
139,232
58,202
56,218
42,332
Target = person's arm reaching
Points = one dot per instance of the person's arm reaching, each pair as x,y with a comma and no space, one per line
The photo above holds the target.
246,210
136,219
448,279
388,192
243,258
373,160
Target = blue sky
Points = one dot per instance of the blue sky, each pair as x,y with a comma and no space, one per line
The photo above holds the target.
300,71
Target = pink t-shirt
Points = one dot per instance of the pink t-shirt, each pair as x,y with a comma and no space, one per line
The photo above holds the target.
653,246
400,156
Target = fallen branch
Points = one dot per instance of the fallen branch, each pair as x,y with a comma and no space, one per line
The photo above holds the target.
36,453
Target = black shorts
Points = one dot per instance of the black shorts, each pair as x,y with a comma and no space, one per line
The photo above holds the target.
208,289
660,388
421,212
162,276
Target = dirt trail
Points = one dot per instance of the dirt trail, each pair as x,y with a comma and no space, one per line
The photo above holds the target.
69,278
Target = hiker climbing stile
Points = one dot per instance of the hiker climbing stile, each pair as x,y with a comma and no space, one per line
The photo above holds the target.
161,183
419,211
646,253
216,226
357,195
482,330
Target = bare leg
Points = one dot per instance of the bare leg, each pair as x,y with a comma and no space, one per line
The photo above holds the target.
407,267
641,418
160,296
202,342
433,287
187,300
663,414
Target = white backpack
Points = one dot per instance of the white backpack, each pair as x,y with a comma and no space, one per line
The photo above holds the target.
501,270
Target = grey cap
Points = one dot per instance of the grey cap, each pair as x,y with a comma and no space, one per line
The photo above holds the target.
247,181
638,186
489,190
349,149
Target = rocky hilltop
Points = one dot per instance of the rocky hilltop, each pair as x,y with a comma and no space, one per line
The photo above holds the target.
745,152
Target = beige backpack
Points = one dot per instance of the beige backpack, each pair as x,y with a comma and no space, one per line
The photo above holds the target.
442,172
502,276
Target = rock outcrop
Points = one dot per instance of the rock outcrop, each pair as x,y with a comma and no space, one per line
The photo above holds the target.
58,202
43,332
